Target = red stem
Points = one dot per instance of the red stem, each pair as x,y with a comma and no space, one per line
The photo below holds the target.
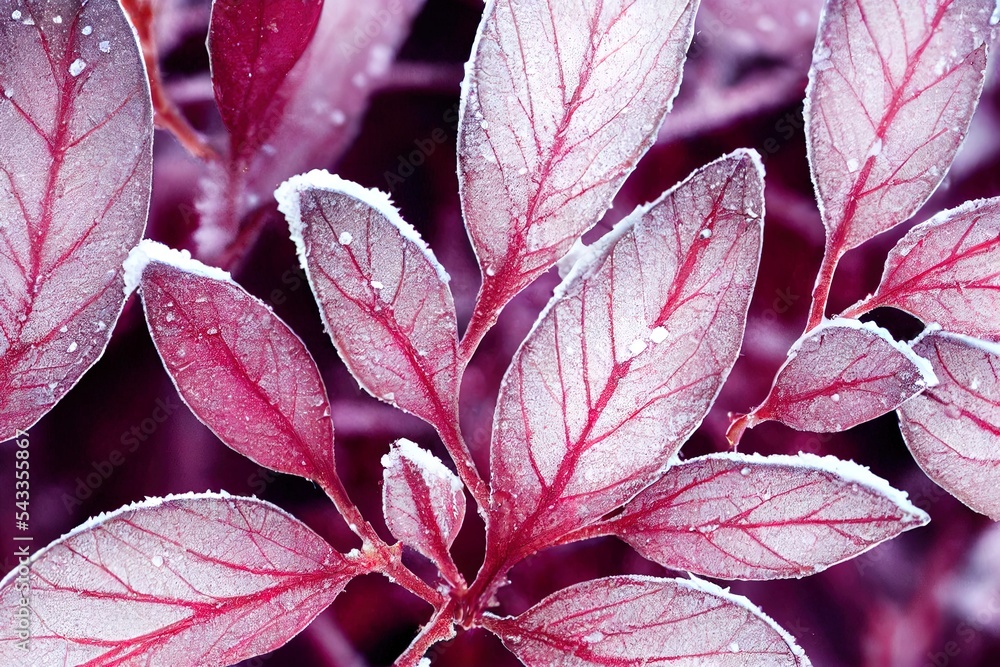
439,628
168,117
386,558
821,291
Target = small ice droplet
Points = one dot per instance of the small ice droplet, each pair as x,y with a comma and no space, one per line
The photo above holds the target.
77,66
490,271
72,347
87,30
377,285
212,331
390,396
101,326
745,471
658,335
63,329
876,147
594,637
836,398
852,165
522,171
637,346
974,385
705,233
57,19
734,647
8,93
345,238
171,317
16,14
157,561
105,47
995,18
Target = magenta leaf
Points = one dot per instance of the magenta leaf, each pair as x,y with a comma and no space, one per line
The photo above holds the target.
947,271
253,45
383,295
734,516
626,360
239,368
198,580
892,89
423,503
646,622
77,128
559,104
953,429
840,374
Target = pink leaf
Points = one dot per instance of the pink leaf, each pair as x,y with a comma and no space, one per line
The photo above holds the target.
734,516
423,503
840,374
947,271
559,104
953,429
239,368
892,90
383,296
77,128
647,622
199,580
253,45
625,362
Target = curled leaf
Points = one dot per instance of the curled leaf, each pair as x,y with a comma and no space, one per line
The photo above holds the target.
423,503
75,163
198,580
953,429
734,516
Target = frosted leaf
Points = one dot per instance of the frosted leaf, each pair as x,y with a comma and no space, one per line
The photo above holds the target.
633,620
888,106
74,191
239,368
947,271
544,143
235,577
589,412
423,503
772,517
840,374
378,331
953,428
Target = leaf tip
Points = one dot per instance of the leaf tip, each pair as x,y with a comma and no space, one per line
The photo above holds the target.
148,251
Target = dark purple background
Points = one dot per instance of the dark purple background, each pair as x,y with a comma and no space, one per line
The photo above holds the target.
908,603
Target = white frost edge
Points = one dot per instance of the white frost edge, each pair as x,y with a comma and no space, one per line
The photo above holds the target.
288,193
147,504
148,251
848,471
923,366
707,587
430,466
989,347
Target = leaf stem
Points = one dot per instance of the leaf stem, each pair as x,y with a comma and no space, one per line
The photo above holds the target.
489,303
821,291
440,628
387,558
451,435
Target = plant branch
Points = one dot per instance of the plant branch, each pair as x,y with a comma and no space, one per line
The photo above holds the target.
441,627
451,435
168,117
821,291
385,558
